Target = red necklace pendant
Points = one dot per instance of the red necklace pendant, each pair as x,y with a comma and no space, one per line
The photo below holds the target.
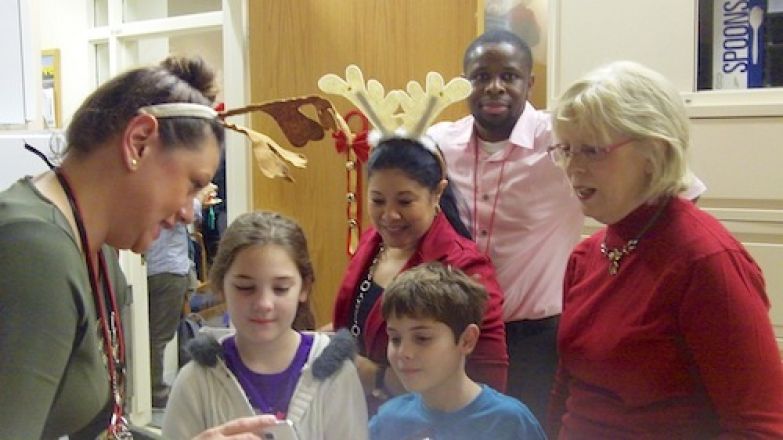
615,255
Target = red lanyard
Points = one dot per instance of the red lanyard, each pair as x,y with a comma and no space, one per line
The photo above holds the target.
474,145
111,326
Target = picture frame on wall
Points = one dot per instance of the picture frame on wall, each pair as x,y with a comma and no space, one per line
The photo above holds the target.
50,87
527,19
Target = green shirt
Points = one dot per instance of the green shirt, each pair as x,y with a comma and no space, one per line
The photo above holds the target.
53,380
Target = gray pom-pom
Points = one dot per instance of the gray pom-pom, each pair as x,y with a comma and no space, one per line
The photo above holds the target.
205,350
342,347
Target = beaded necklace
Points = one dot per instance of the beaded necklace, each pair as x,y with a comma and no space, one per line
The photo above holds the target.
616,255
364,287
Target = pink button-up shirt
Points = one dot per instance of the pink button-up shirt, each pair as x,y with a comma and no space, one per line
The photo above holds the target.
537,217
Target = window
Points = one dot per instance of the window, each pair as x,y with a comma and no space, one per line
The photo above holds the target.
128,33
740,44
138,10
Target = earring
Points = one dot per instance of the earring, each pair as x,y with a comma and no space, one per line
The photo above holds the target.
134,163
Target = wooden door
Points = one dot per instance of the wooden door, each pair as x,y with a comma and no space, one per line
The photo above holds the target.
292,44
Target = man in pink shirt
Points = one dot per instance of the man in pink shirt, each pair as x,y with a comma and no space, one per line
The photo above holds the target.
520,205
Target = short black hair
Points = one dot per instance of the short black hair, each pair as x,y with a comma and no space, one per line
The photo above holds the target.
497,36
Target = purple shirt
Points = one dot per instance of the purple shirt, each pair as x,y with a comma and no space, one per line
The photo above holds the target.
268,393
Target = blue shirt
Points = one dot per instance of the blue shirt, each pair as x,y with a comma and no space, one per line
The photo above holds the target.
169,252
490,415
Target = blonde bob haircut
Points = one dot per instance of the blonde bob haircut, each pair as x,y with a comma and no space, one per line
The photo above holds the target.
624,100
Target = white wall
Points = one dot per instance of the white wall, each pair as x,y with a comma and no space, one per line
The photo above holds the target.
15,161
63,25
55,24
17,103
207,45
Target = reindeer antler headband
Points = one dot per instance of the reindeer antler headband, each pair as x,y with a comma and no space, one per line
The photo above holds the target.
271,158
420,106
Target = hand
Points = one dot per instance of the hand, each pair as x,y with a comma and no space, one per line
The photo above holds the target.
208,195
247,428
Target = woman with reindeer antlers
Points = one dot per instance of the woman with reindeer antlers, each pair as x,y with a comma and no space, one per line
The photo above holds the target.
413,209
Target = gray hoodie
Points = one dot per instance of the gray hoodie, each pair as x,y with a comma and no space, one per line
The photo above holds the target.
328,402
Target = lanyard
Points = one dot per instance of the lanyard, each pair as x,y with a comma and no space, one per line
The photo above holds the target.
474,146
109,317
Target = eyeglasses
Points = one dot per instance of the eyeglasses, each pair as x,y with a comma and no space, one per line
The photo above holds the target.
561,153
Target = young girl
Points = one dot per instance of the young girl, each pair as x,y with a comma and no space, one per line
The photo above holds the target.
263,271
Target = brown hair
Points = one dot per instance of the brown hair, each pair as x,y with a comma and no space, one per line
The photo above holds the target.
261,228
106,112
434,291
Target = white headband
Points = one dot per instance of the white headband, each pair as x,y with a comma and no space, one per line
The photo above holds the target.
179,110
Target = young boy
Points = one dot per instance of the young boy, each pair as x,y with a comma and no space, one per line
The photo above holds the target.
432,317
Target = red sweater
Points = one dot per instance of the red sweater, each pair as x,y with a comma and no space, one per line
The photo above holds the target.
489,361
678,344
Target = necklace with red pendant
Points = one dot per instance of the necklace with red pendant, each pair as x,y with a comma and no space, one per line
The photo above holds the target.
616,255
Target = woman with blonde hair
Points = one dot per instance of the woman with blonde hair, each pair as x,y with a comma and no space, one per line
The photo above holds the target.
665,330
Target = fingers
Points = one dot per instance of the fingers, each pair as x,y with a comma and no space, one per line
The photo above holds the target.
248,424
245,428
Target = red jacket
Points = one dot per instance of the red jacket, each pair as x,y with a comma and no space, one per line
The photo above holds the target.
489,361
